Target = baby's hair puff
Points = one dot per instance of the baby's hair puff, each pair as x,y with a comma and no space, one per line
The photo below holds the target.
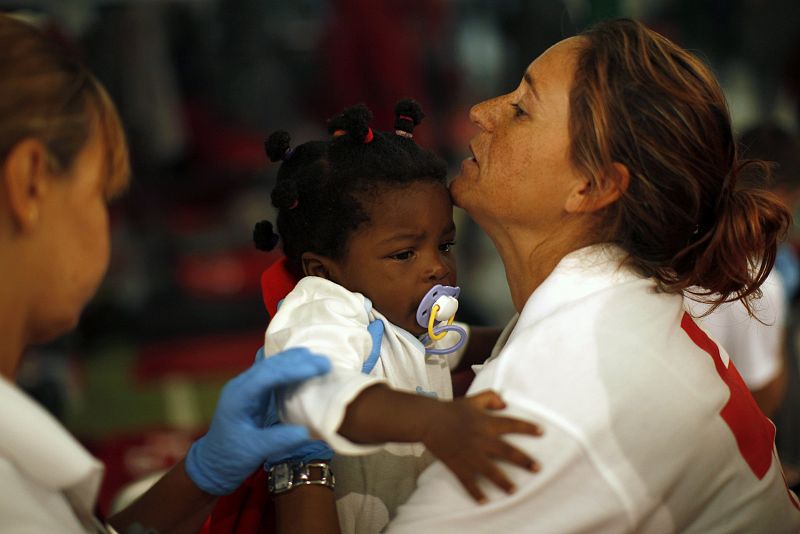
324,189
353,123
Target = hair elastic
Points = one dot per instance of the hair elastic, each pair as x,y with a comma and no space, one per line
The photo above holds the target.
369,137
403,133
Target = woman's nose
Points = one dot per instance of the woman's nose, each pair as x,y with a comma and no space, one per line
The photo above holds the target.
481,114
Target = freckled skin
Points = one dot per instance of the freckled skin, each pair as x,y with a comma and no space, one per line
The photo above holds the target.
522,170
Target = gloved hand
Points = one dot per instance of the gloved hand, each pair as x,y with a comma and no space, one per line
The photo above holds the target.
237,441
309,450
305,452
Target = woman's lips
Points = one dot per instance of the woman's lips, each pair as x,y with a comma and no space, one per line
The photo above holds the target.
472,151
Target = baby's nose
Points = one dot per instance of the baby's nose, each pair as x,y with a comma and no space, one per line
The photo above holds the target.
438,270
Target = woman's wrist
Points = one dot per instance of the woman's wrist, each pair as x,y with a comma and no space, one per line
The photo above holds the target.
291,511
291,475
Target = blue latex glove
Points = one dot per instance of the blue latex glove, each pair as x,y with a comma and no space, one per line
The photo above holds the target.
304,452
237,442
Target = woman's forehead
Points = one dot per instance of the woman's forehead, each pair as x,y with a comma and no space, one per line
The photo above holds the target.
554,66
564,51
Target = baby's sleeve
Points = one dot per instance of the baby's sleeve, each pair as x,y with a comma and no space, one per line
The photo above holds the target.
331,321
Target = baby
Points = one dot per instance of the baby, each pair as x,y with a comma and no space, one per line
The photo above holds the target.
366,217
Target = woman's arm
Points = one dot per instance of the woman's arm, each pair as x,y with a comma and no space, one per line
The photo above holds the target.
188,507
236,445
292,511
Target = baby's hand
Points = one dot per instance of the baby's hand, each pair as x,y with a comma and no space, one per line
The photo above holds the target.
467,439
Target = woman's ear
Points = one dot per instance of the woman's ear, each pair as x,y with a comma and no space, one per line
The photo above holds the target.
24,178
588,196
317,265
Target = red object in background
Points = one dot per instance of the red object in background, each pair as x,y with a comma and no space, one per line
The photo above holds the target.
226,274
374,52
200,356
221,144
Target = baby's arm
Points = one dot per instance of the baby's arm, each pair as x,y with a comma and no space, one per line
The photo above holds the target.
461,433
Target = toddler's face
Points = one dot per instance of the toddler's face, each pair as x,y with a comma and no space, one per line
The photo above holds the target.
402,252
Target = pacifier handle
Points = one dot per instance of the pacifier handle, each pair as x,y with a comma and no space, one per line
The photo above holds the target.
431,333
448,306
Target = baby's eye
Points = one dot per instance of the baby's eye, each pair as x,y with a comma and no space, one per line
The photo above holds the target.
402,256
445,247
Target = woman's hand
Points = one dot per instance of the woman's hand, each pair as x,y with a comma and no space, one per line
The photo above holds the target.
467,439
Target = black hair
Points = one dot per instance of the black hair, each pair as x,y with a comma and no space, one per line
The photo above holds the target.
324,188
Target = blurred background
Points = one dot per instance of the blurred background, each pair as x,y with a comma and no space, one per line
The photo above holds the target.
200,83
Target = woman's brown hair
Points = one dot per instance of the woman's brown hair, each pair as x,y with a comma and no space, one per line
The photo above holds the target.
685,218
44,94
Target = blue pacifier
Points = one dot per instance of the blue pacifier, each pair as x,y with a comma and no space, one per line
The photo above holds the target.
439,306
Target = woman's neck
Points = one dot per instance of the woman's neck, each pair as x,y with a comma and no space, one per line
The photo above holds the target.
12,342
529,257
13,315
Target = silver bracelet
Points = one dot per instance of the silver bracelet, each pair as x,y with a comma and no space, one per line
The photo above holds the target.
286,476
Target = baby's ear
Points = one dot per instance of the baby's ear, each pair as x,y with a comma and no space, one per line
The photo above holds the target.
316,265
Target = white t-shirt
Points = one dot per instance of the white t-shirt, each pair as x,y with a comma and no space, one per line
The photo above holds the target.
642,432
756,347
48,481
371,481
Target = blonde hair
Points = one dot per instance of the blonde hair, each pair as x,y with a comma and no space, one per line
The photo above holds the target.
44,94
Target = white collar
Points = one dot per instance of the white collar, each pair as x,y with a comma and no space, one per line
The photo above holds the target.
579,274
42,449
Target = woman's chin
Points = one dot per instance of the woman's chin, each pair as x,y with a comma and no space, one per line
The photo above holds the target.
457,190
460,184
52,328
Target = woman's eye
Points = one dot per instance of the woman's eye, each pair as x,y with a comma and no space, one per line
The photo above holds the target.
402,256
445,247
518,111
